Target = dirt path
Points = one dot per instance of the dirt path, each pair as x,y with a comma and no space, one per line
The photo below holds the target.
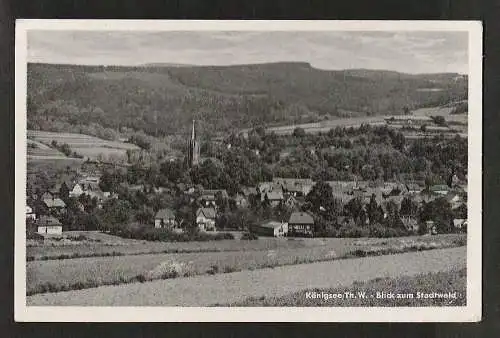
228,288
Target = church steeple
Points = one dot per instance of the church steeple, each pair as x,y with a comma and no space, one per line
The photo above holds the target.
193,135
193,148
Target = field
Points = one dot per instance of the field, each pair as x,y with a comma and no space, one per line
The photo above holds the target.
405,290
127,265
230,288
85,145
355,122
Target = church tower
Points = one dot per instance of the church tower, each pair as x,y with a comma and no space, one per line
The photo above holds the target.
193,149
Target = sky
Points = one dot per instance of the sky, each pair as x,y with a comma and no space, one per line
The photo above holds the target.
405,51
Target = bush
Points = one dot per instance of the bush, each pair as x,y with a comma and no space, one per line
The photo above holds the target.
353,232
385,232
136,231
249,236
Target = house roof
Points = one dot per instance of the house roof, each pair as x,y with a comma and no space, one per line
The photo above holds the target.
212,192
459,221
271,224
207,212
301,218
273,195
54,203
47,221
248,191
165,213
439,187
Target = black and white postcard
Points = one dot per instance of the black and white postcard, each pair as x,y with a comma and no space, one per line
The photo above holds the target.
283,171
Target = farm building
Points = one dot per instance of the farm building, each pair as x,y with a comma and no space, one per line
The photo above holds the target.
273,228
48,225
205,219
300,224
29,213
165,218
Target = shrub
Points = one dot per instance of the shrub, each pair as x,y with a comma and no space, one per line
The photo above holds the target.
135,231
353,232
249,236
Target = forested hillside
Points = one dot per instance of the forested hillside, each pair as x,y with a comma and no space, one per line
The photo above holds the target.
163,99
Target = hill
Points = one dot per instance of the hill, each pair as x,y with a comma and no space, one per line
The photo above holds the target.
164,98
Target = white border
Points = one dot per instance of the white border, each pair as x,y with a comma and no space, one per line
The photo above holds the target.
469,313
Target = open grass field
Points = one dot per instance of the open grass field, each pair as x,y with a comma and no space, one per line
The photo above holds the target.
408,291
229,288
100,244
88,146
77,273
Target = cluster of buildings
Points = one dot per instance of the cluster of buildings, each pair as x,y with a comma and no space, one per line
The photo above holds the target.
53,205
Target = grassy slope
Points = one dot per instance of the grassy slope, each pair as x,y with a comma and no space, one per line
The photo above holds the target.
232,96
440,282
90,272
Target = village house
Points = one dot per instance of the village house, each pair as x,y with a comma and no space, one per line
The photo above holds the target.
209,196
454,199
460,224
291,202
409,120
300,224
241,201
248,191
205,219
344,221
413,188
76,191
274,197
54,204
410,223
440,189
48,225
29,213
273,229
165,218
294,186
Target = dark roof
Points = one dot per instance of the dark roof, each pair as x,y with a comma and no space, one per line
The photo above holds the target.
271,224
301,218
213,192
207,212
273,195
165,214
47,221
54,203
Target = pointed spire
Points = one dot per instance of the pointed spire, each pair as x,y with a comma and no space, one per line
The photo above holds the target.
193,134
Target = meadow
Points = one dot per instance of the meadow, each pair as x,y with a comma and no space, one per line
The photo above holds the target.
407,290
79,273
230,288
85,145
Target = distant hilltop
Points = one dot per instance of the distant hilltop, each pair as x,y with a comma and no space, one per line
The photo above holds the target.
166,97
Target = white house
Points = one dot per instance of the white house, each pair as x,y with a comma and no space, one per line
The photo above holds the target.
29,213
76,191
273,228
205,219
165,218
49,225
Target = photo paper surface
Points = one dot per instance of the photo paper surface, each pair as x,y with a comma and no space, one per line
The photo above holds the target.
279,171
